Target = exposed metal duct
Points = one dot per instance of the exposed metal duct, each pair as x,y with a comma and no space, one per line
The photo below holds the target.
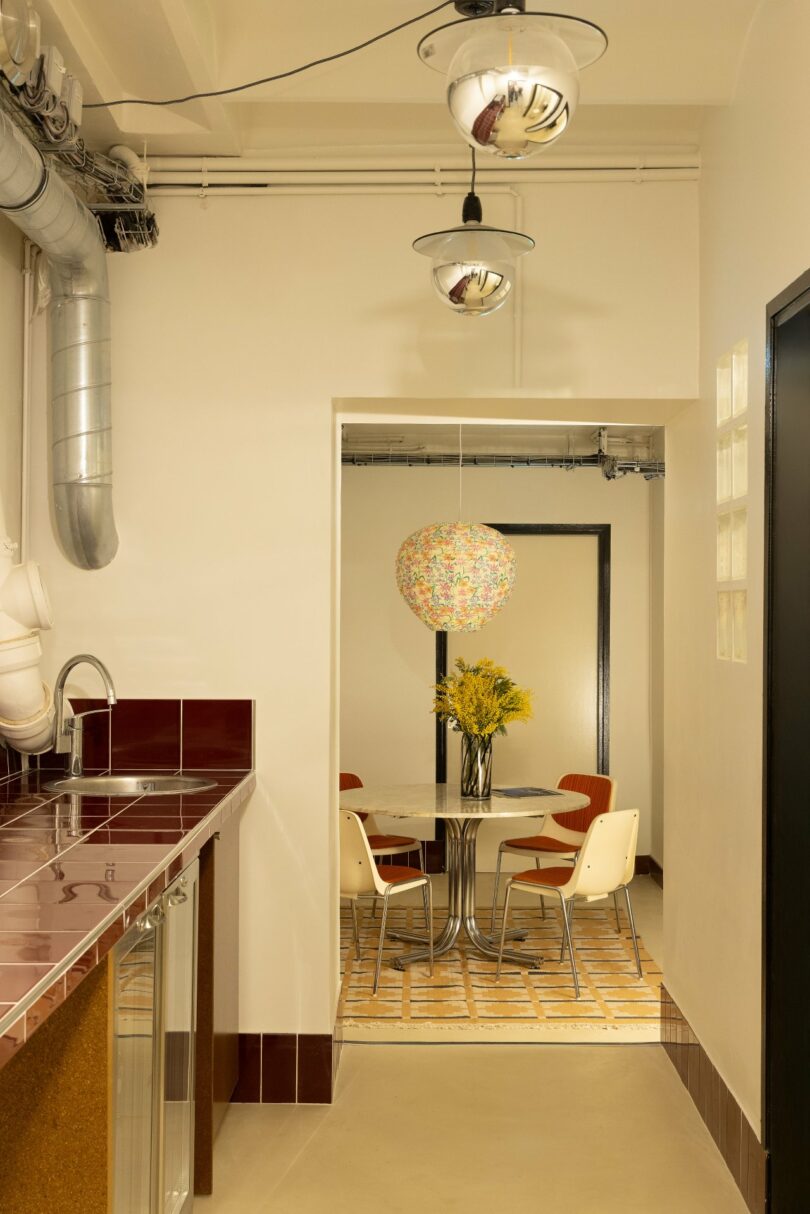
44,207
612,466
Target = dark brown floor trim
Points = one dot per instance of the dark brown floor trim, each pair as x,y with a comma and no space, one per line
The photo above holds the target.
287,1068
656,872
737,1142
642,866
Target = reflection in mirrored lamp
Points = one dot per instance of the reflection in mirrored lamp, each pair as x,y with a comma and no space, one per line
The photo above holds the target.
512,76
473,265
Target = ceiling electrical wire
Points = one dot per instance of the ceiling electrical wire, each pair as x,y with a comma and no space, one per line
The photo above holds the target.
252,84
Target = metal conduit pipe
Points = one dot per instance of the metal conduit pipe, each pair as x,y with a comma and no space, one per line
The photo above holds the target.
44,207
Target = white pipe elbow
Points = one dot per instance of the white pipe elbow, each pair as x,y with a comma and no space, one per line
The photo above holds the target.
26,704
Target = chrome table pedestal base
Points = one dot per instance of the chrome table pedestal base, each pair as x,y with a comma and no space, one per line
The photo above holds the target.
461,840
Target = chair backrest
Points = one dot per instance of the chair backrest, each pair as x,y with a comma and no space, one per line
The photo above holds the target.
601,790
349,780
358,872
607,858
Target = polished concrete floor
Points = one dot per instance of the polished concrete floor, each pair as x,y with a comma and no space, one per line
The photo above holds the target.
481,1129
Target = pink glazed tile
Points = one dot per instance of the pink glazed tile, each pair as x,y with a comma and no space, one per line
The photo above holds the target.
80,968
47,1003
17,980
37,948
12,1038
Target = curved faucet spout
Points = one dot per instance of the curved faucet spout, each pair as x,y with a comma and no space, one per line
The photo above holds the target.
68,733
79,660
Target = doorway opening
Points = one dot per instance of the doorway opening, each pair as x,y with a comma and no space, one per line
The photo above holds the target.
583,507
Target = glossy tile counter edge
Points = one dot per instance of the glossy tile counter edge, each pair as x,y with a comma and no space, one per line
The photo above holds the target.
16,1021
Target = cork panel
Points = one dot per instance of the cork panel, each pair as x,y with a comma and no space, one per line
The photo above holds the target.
53,1084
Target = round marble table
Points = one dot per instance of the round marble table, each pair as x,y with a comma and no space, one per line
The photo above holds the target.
463,818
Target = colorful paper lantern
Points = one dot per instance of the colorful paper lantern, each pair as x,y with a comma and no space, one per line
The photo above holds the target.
455,576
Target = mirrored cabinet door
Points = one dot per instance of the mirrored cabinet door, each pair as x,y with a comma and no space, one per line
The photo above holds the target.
180,909
135,1058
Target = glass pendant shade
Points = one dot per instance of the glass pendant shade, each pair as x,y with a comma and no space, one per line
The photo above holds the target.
513,80
473,265
455,576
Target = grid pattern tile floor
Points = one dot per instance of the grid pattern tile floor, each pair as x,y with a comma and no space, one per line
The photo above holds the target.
463,1001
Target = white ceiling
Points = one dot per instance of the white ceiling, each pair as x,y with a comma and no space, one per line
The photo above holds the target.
665,62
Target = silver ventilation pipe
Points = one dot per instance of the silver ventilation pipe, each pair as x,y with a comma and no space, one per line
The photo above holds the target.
44,207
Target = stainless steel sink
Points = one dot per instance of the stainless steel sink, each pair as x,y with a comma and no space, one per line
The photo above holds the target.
130,786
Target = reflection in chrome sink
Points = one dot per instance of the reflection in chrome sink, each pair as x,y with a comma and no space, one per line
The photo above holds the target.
130,786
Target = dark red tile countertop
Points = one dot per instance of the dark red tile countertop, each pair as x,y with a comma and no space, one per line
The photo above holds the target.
73,878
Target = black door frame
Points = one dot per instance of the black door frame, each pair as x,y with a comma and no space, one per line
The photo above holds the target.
785,1046
602,533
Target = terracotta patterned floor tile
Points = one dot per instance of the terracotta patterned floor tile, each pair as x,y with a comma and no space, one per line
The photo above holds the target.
464,993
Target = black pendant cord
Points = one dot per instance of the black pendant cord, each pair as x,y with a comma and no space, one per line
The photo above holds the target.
472,210
294,71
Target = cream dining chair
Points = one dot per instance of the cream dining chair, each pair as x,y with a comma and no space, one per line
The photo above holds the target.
561,835
605,865
361,878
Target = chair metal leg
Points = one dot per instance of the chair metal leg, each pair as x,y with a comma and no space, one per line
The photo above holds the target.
542,899
495,890
616,908
380,945
632,929
355,929
503,929
567,939
427,899
570,923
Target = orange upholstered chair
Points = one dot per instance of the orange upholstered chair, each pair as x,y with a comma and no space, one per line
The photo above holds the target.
381,845
561,835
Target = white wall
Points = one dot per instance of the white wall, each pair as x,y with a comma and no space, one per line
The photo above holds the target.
11,324
230,340
755,239
388,655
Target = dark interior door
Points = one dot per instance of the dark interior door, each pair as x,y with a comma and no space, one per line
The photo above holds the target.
787,752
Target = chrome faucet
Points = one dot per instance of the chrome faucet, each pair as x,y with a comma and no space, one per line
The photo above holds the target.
69,733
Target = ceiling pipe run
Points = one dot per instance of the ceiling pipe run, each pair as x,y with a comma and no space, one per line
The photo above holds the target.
43,206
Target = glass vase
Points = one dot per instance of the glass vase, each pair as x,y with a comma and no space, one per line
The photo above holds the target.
476,765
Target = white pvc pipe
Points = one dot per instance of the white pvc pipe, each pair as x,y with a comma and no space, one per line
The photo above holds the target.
333,183
549,162
268,189
26,704
28,295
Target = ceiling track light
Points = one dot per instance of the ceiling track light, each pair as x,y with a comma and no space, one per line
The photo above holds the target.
473,264
512,75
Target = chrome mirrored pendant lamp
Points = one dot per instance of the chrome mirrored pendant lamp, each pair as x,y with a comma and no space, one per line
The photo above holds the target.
512,75
473,265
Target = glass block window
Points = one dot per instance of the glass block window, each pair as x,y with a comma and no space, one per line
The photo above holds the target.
732,505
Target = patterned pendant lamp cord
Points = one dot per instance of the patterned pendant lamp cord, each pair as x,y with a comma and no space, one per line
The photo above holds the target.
459,471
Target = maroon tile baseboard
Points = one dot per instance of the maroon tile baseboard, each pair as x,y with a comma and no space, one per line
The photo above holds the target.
745,1157
249,1087
287,1068
656,872
280,1055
